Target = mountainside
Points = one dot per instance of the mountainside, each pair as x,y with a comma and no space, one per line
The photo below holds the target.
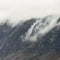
34,39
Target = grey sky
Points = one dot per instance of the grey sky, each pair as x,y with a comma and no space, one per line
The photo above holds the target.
17,10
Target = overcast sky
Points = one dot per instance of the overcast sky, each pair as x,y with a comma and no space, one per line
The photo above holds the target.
16,10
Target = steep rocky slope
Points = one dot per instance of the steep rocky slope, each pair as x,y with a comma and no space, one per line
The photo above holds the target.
34,39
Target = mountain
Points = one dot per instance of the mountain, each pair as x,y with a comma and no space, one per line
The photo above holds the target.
34,39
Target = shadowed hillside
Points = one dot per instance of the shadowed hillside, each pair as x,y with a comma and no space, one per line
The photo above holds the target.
34,39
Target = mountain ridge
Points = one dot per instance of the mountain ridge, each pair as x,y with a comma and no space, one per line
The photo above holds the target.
19,43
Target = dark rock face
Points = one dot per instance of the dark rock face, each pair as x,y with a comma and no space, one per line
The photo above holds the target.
13,43
13,48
